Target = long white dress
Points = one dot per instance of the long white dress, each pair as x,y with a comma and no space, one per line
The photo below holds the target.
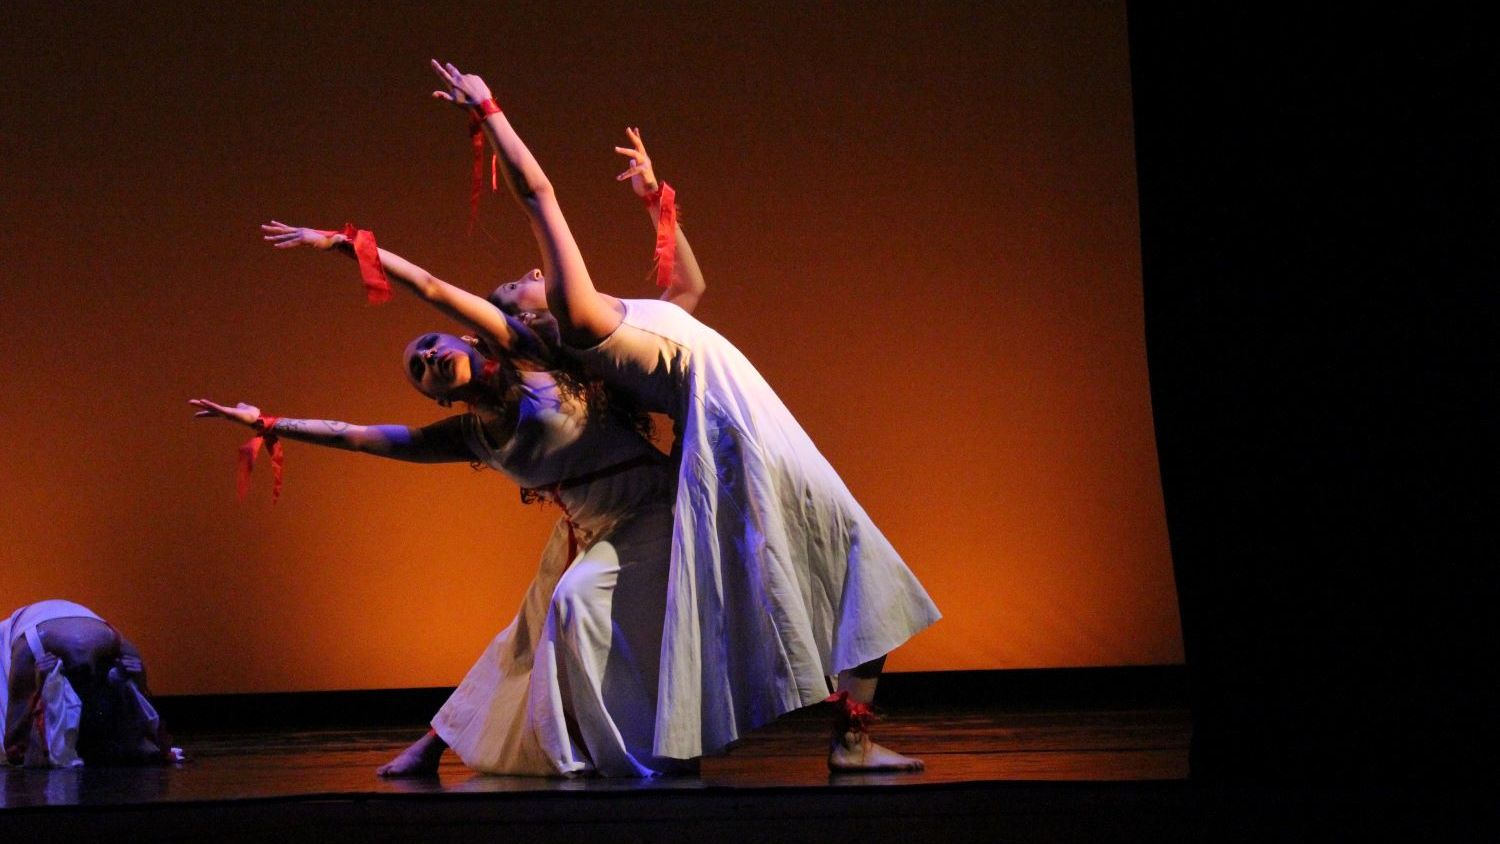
778,578
570,685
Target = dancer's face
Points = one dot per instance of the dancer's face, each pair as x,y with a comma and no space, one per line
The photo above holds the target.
440,364
527,293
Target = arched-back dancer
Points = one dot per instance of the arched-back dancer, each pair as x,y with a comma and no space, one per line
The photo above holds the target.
570,685
778,577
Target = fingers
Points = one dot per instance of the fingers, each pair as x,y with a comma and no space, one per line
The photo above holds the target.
627,151
290,240
442,95
443,73
634,171
635,138
453,72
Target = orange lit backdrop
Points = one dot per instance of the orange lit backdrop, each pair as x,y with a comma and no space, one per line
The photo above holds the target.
922,230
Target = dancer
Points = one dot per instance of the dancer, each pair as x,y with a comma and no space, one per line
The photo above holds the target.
570,685
682,281
76,691
778,577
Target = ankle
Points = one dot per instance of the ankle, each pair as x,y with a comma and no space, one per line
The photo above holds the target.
849,739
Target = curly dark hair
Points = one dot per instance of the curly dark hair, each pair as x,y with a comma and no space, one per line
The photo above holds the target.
599,399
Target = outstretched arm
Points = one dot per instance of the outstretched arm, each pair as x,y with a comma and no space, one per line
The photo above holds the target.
500,330
584,316
440,442
687,285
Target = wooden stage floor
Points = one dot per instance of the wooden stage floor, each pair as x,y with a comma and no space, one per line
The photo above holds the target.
1032,775
957,745
320,785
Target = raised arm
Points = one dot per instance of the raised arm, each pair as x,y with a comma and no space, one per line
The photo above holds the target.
584,316
686,284
440,442
501,331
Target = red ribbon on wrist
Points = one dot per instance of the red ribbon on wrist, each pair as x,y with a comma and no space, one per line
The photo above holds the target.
476,138
362,242
377,286
666,232
265,435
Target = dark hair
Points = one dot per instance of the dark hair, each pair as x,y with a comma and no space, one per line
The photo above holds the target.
111,729
599,398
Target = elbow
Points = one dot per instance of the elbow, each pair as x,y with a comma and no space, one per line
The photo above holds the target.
430,287
535,190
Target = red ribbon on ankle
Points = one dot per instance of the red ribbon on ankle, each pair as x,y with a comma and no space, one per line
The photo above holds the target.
855,716
251,449
666,232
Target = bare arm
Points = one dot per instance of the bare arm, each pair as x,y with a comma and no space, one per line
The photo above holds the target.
130,660
686,285
440,442
584,316
20,686
500,330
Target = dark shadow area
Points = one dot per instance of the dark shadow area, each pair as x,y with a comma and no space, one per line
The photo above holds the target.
1318,230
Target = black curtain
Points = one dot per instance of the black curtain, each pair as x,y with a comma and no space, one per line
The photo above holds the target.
1318,230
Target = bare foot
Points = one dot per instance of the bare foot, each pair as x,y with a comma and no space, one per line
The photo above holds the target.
854,751
419,760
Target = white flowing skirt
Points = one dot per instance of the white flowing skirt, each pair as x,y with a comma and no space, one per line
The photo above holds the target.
779,579
570,686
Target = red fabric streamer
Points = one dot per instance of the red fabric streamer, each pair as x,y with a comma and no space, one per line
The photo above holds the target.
377,286
853,716
476,183
476,138
266,436
666,232
362,243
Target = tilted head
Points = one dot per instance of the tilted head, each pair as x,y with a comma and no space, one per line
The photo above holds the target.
527,293
442,367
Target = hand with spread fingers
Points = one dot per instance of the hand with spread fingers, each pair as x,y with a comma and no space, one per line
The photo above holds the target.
283,236
243,413
464,90
642,177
